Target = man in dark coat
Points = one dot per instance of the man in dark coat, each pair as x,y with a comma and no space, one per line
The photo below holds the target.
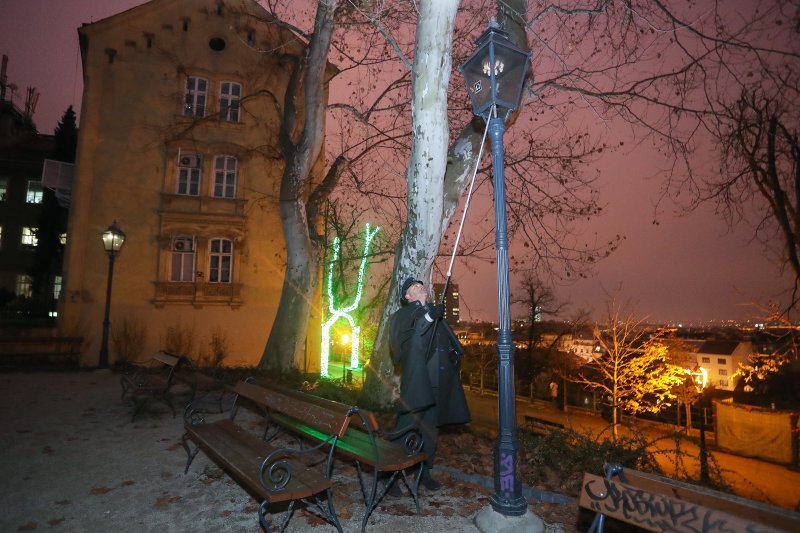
428,352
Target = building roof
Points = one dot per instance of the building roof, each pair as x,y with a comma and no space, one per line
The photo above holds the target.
719,347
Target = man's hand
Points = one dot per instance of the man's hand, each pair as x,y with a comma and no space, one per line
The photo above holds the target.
436,311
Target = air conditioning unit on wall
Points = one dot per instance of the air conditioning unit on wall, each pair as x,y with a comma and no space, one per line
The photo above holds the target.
190,160
183,244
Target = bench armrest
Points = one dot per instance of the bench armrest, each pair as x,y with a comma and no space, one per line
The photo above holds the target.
410,437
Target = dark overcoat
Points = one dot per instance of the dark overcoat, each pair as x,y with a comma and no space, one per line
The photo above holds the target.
429,371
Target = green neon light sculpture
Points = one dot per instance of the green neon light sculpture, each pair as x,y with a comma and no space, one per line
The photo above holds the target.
344,311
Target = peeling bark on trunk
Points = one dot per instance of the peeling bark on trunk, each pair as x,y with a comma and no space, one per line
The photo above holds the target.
301,147
425,177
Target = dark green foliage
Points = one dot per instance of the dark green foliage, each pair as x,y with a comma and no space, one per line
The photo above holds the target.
569,454
66,138
560,458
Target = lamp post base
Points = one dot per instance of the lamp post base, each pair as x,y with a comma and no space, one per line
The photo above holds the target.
490,521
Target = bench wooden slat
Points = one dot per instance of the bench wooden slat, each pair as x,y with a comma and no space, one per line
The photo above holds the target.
356,442
368,416
655,503
241,454
357,445
316,417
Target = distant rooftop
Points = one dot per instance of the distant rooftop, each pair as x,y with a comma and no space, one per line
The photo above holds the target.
719,347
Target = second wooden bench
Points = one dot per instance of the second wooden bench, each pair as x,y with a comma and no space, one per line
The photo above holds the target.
275,474
389,455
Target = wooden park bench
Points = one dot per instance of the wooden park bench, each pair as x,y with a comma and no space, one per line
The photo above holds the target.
389,455
165,378
656,503
540,425
276,475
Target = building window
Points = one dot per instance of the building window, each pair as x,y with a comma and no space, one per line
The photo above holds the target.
229,95
34,195
723,372
57,287
3,189
220,260
189,168
62,238
225,168
24,286
722,361
706,360
29,239
196,93
183,257
723,383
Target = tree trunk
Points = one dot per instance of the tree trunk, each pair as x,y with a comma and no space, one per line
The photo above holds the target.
287,337
419,242
301,146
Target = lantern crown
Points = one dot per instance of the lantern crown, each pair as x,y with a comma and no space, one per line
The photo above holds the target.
113,238
494,73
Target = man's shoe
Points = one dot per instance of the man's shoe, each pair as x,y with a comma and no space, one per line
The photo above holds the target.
429,483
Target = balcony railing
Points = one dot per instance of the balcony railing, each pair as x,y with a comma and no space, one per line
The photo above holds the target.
197,293
184,203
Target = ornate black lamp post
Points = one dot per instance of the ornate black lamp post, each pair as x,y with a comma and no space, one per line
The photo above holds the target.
494,74
113,238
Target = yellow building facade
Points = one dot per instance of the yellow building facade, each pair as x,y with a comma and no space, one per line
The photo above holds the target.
179,145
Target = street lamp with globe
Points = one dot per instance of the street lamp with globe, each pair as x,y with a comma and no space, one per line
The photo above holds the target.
113,239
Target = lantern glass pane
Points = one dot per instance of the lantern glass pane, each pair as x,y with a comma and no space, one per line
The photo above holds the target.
510,66
113,238
478,81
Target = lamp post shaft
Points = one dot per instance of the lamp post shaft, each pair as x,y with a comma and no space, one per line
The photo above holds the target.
507,499
103,362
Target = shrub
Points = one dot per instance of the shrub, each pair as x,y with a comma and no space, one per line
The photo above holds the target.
128,339
179,339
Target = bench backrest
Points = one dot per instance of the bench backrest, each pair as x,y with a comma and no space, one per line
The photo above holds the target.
367,417
656,503
166,358
322,418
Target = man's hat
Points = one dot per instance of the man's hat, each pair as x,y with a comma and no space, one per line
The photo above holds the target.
409,281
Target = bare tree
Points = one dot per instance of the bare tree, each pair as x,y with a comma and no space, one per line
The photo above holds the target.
760,166
631,371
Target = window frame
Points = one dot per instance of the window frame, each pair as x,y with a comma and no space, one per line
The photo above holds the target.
24,286
218,272
180,274
29,238
195,100
229,103
225,179
188,176
34,196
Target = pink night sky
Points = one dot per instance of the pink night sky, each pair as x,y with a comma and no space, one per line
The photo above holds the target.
686,269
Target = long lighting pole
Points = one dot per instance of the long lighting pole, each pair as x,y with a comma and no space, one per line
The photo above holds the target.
113,239
507,499
494,74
